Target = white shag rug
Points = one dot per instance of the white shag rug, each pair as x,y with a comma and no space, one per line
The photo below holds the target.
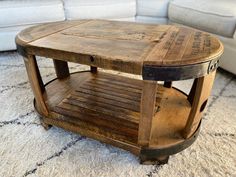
26,149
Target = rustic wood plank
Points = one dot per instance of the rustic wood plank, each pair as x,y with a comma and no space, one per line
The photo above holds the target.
105,109
35,82
109,88
112,107
98,120
116,30
86,89
201,47
33,33
93,132
160,50
125,47
177,49
120,100
107,96
119,82
147,112
110,100
128,54
116,85
59,89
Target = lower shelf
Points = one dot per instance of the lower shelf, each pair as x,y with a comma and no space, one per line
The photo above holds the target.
106,107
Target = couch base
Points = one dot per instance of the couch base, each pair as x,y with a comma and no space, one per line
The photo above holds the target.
154,20
7,36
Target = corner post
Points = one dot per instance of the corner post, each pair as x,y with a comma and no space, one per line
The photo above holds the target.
36,82
198,98
148,101
61,68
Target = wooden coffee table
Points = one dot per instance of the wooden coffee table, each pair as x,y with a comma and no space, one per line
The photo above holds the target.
150,119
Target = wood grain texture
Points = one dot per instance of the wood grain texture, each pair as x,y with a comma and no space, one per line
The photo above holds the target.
36,82
148,102
33,33
201,88
122,46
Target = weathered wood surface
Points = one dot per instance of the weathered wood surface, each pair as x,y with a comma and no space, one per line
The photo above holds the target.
122,46
147,112
36,82
198,97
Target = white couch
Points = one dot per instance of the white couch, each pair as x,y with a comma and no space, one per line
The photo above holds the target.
215,16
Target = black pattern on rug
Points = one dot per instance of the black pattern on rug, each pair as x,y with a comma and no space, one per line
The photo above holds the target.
17,120
155,170
56,154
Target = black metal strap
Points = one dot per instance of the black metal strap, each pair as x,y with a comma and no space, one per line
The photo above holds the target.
174,73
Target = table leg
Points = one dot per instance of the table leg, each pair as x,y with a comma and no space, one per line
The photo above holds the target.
93,69
36,82
193,91
147,107
61,68
198,98
45,125
168,84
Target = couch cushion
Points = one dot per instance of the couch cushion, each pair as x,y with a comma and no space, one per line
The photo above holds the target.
155,8
25,12
106,9
215,16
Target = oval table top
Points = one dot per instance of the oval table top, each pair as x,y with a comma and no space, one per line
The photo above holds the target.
157,52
